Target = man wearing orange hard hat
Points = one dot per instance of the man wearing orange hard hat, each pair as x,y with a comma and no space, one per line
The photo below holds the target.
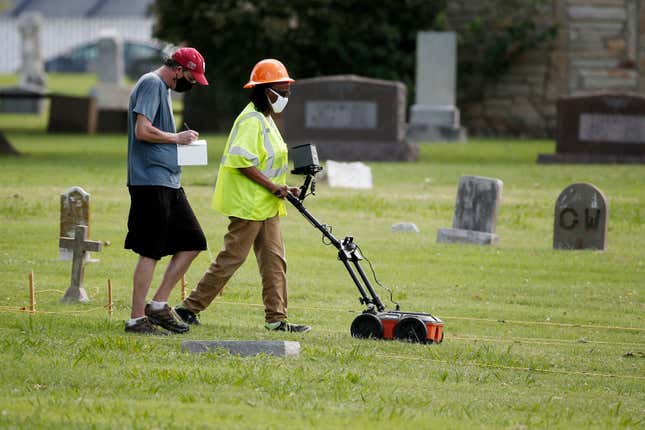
250,190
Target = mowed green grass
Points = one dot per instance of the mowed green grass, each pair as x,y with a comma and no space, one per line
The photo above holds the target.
535,338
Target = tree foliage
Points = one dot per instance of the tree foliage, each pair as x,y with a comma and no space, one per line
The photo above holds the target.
373,38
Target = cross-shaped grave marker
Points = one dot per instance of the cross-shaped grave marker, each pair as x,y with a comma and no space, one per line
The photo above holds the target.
79,246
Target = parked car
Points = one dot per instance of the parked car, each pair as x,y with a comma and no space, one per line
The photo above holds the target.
138,57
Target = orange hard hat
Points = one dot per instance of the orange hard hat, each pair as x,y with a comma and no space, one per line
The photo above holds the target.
268,71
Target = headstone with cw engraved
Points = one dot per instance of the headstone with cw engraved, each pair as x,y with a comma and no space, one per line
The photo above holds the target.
580,220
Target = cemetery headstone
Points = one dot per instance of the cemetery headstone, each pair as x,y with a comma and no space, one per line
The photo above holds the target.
79,246
580,220
68,114
599,128
354,175
112,97
110,68
74,210
349,118
27,97
435,116
244,348
5,146
32,69
476,209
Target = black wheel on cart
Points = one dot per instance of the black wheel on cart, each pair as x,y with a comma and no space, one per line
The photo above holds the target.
367,326
411,329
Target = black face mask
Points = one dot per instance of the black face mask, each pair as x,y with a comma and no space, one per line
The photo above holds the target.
183,85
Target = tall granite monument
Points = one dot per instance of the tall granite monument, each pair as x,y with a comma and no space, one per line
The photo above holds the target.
27,97
112,96
435,116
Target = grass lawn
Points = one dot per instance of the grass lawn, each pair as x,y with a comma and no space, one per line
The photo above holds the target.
535,338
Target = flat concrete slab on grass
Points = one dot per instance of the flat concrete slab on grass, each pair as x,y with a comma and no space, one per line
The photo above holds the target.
457,235
245,348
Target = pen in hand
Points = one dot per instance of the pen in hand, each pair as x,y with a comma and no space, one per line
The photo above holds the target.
194,132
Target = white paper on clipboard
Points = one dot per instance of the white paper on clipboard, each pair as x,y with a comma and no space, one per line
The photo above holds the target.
195,154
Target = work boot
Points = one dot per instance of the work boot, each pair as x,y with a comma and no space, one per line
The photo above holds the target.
143,326
166,318
285,326
187,316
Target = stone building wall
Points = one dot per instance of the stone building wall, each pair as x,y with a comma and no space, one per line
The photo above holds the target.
600,46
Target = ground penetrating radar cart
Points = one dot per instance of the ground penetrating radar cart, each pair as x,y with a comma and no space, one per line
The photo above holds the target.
374,322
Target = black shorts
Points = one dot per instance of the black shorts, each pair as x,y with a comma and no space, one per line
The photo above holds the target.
161,222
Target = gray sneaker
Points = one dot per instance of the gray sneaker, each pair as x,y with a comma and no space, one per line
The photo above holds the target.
166,318
143,326
285,326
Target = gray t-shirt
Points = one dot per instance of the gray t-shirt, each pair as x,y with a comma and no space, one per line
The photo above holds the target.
152,163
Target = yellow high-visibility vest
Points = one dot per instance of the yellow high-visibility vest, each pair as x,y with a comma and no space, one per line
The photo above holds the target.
254,141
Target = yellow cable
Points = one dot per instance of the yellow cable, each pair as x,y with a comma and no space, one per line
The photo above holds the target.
491,366
24,309
84,311
444,318
540,341
542,323
435,360
524,369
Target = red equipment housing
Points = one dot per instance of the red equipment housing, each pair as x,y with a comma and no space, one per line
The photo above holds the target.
407,326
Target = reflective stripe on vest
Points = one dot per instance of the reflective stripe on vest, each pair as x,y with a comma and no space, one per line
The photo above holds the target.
269,171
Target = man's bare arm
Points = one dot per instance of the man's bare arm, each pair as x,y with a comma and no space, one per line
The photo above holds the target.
145,131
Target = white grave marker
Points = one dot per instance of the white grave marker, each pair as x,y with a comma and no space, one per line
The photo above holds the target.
354,175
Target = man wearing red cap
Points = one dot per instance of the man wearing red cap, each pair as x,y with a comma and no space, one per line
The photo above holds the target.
161,221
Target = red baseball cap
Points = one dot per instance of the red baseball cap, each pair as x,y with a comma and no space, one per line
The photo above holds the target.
191,59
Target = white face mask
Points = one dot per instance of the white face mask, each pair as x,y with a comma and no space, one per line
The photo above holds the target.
280,103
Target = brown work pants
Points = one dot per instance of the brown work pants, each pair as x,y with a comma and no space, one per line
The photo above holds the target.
266,238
